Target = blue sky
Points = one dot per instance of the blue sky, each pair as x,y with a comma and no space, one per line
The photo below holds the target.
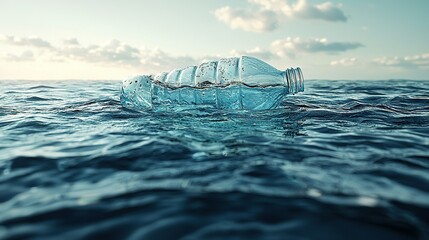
80,39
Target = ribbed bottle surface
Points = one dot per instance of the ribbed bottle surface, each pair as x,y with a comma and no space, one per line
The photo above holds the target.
231,83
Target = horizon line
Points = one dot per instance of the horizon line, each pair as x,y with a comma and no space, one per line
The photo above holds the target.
314,79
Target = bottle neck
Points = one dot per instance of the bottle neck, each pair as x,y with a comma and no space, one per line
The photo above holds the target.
294,80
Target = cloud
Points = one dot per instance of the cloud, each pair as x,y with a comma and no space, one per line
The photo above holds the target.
273,5
112,53
416,61
325,11
345,62
269,13
118,54
26,41
71,41
25,56
291,46
256,52
259,21
158,59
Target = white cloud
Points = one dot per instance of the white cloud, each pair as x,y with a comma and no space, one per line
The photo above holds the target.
26,41
259,21
71,41
23,57
113,53
256,52
270,12
416,61
160,60
345,62
325,11
274,5
291,46
119,54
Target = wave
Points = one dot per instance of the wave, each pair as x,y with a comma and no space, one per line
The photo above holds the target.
343,159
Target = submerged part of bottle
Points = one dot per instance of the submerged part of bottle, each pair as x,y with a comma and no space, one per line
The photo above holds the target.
230,83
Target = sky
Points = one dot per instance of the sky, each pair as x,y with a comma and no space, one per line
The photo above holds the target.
82,39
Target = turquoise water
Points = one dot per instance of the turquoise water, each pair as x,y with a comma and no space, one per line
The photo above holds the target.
343,160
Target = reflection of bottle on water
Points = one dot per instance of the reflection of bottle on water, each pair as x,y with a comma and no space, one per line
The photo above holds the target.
230,83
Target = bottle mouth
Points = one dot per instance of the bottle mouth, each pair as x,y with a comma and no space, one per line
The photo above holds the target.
294,80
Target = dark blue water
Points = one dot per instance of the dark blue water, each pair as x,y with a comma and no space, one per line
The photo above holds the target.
343,160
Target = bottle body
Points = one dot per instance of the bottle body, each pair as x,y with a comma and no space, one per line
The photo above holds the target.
230,83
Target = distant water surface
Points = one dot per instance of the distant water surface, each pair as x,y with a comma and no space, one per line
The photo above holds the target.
343,160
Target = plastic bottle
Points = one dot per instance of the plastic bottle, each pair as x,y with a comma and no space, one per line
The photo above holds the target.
230,83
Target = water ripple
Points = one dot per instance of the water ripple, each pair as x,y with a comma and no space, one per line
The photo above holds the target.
344,159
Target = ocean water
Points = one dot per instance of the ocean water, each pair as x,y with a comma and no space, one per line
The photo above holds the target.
343,160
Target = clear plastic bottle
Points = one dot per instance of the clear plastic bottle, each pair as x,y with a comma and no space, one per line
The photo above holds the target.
230,83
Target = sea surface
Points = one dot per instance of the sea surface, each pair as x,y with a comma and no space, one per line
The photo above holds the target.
343,160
